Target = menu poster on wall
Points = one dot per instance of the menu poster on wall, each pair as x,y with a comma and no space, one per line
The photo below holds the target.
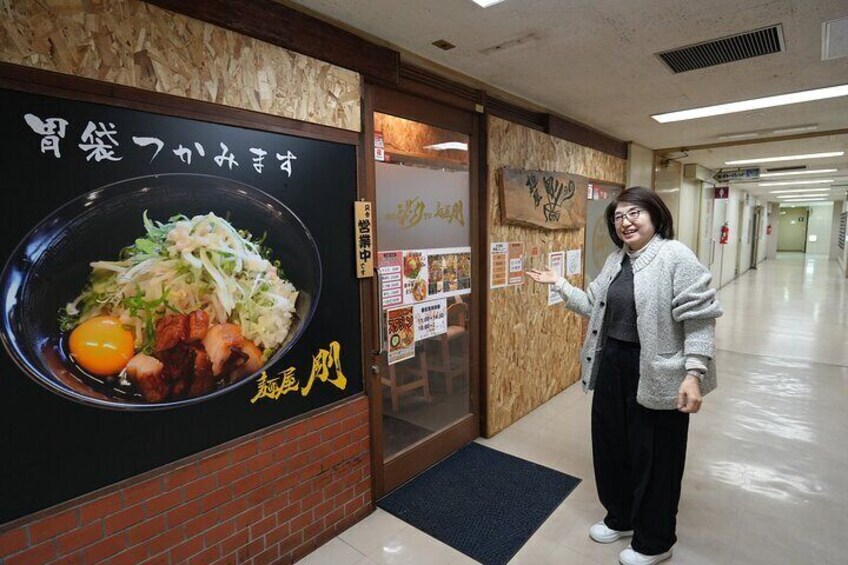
556,261
415,279
574,262
431,319
390,264
516,263
400,334
499,264
449,271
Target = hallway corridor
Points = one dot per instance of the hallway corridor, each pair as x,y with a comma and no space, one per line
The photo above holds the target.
765,480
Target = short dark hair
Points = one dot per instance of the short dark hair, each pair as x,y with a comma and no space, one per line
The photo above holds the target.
648,200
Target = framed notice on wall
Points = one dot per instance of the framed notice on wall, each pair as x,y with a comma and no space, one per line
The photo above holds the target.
217,261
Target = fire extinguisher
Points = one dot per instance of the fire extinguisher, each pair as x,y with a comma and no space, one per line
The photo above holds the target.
768,229
725,234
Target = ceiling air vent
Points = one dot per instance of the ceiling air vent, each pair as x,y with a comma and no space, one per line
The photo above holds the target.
725,50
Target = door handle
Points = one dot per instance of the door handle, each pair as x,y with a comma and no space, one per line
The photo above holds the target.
381,335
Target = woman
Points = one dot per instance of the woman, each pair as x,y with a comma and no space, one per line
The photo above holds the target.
648,356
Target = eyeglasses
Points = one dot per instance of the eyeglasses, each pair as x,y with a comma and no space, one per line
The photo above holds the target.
631,215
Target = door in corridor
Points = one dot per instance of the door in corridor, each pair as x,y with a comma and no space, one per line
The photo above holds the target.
423,165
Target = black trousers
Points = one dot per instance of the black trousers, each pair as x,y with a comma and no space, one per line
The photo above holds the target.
638,453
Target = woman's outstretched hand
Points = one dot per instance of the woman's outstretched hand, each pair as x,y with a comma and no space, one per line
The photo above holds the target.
689,395
544,276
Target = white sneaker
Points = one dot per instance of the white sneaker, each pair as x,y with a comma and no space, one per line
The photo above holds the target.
602,534
631,557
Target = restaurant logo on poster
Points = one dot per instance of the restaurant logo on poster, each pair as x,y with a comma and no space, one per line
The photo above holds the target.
400,334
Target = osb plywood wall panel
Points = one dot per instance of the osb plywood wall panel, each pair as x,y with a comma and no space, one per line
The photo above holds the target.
135,44
533,351
408,139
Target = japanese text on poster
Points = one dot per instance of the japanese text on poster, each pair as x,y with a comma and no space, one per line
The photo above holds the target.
516,263
556,261
390,265
364,241
400,334
431,319
499,264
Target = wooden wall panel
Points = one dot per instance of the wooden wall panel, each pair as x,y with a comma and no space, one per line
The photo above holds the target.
532,347
132,43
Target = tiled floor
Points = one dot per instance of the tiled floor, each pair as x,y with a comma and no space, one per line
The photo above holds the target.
766,479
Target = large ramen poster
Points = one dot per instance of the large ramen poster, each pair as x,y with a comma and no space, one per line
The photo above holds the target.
169,284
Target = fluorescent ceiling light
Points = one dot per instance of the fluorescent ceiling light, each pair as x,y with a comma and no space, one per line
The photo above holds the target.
826,188
487,3
456,145
803,200
801,196
798,129
795,182
732,136
793,173
786,158
754,104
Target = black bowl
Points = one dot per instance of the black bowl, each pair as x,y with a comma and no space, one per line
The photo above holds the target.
50,267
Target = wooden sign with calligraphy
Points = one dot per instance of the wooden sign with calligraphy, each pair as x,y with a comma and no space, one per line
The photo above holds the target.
544,199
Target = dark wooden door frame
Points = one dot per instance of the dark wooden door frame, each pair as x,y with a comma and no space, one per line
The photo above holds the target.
380,98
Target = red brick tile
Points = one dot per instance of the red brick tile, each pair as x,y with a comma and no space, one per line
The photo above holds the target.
123,519
200,524
324,509
273,439
268,556
163,502
206,556
231,474
79,538
299,429
331,431
263,526
142,491
297,462
214,463
309,441
39,554
52,526
334,516
344,497
100,508
234,508
132,556
246,519
72,559
274,504
300,492
308,472
163,559
289,544
186,550
245,485
363,486
235,542
12,541
145,530
277,534
107,547
245,451
215,499
165,541
284,482
251,550
259,461
284,451
313,529
313,500
219,533
183,513
228,559
260,495
179,477
303,520
198,488
272,472
288,513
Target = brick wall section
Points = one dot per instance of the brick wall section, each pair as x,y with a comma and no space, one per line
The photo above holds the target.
272,497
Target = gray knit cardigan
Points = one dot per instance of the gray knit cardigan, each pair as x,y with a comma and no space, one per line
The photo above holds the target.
676,310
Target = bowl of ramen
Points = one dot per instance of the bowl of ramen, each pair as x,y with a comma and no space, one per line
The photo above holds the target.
159,292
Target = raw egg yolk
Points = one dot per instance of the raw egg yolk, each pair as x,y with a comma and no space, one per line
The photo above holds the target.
101,345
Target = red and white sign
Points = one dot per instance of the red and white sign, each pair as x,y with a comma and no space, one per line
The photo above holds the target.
722,192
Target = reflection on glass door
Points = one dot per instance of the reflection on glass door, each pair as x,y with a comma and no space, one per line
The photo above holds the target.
424,263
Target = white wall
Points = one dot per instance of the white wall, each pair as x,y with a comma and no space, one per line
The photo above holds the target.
774,222
746,241
667,179
690,204
819,228
640,166
762,237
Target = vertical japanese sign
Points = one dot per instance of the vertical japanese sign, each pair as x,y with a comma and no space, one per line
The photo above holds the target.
556,261
431,319
363,236
516,263
400,334
499,264
390,264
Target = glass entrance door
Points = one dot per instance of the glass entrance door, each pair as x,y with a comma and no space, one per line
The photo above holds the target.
427,369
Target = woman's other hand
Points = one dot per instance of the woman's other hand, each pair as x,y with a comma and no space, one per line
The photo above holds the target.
689,395
544,276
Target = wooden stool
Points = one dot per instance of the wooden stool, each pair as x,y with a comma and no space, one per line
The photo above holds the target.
457,332
396,388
